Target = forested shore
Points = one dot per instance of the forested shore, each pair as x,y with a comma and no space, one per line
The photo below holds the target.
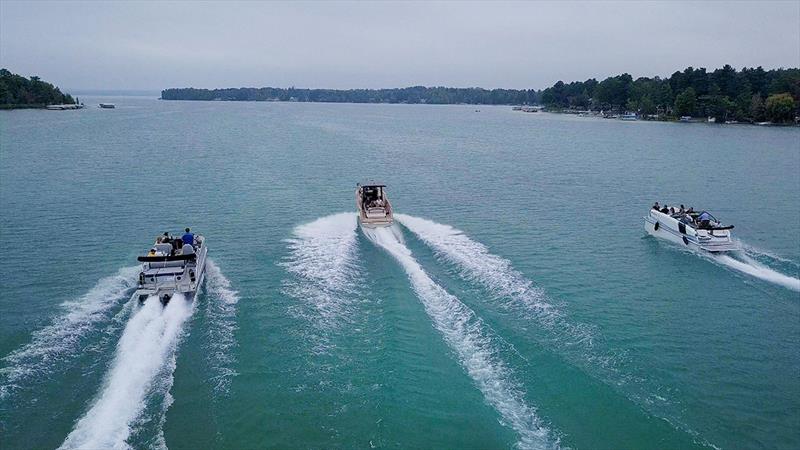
17,91
747,95
415,95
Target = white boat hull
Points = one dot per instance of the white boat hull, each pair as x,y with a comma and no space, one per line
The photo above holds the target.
376,216
665,227
153,284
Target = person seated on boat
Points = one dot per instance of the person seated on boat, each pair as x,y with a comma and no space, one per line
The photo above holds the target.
166,239
690,210
665,210
159,240
153,252
188,237
176,246
671,210
657,207
704,219
682,210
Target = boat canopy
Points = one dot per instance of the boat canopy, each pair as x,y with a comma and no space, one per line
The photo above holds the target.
189,257
371,183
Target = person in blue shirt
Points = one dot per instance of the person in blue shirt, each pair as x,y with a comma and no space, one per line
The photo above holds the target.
188,237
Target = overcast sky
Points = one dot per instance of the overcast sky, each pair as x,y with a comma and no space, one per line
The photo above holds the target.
149,45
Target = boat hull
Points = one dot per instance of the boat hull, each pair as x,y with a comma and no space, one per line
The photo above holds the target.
375,217
181,282
665,227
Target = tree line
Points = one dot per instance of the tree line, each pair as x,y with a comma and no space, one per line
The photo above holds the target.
751,94
17,91
416,94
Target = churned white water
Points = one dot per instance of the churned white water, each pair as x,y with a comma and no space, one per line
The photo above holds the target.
506,284
323,256
221,312
147,346
465,334
59,341
754,268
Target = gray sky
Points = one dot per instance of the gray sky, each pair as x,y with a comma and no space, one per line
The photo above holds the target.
149,45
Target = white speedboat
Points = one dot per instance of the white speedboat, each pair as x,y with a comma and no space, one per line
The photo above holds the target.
374,209
172,267
690,229
65,106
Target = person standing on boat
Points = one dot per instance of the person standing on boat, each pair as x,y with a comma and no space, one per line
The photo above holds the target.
656,207
188,237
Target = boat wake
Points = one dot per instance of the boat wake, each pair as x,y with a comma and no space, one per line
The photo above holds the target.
323,257
508,287
221,312
467,336
58,343
578,343
746,264
144,362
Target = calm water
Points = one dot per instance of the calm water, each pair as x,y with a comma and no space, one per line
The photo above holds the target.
549,320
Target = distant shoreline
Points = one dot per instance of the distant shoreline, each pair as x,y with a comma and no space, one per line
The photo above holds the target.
662,118
410,95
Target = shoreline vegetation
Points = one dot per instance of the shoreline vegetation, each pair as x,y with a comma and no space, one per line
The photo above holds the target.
751,95
18,92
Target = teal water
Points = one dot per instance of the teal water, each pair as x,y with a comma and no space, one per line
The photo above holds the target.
518,302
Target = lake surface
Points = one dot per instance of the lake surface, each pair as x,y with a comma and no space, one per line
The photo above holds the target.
518,301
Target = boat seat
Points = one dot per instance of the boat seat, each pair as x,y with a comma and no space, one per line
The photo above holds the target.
187,249
163,271
164,248
376,212
163,264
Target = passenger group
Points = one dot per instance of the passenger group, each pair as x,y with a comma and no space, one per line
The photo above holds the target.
167,245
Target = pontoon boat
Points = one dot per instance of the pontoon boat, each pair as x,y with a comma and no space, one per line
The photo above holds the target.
690,229
172,267
374,209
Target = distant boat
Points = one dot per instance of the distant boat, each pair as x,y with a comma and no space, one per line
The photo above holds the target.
686,118
107,105
712,119
629,116
64,107
516,108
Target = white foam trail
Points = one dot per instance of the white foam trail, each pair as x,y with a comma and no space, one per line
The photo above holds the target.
60,340
323,255
221,312
147,345
751,250
758,270
465,334
500,278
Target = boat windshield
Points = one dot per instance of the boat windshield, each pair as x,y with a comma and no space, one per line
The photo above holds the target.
705,215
